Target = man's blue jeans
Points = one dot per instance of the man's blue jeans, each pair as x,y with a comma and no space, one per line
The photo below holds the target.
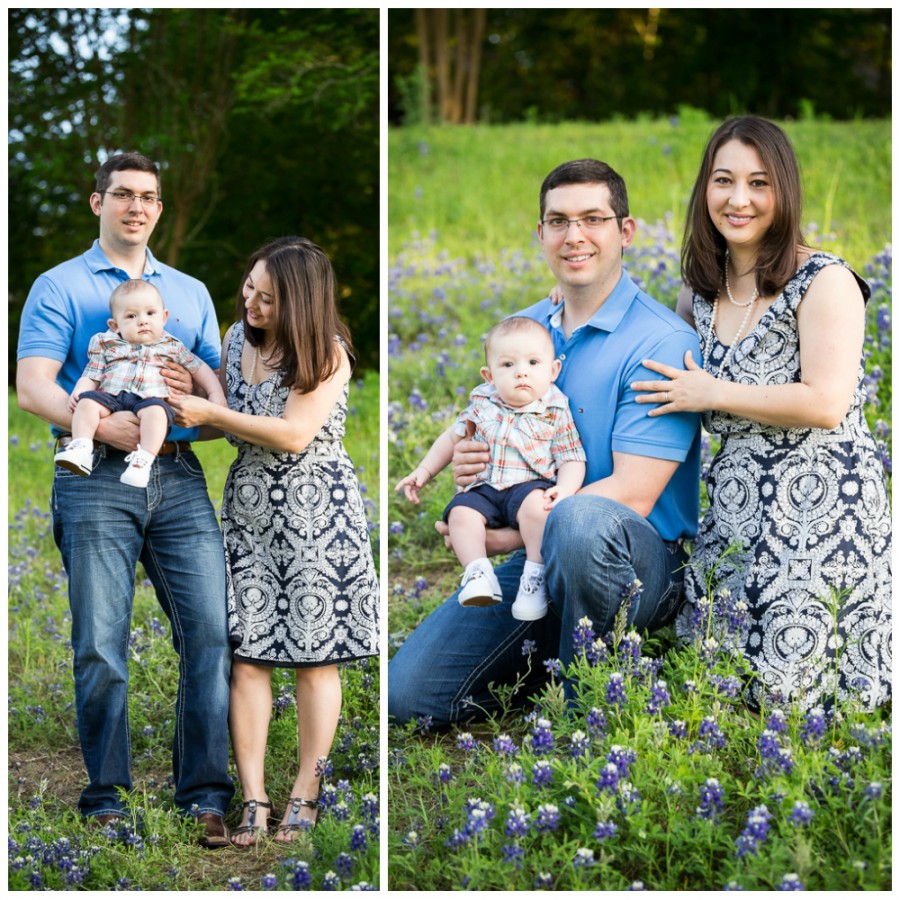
102,528
594,550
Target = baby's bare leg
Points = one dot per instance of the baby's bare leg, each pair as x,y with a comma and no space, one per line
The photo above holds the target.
86,418
531,518
154,427
467,534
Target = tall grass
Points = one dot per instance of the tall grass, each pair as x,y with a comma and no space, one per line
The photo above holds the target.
477,188
49,846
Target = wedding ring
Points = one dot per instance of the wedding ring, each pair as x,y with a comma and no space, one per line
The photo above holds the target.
666,395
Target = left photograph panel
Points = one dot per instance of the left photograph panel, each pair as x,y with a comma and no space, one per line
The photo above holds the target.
193,456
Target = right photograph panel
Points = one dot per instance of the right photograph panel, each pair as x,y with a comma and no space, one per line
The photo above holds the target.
639,443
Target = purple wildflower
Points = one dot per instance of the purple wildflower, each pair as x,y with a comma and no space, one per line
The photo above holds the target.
331,881
813,728
518,822
712,797
873,790
791,882
504,746
528,647
801,814
621,758
605,830
358,840
465,741
514,854
547,818
553,667
543,882
269,882
609,778
584,858
755,831
596,722
541,773
515,773
579,744
615,690
659,698
542,738
300,877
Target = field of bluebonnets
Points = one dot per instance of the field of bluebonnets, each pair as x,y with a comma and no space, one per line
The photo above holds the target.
49,848
659,779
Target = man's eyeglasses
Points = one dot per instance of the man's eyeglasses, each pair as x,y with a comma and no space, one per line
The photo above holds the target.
129,198
558,225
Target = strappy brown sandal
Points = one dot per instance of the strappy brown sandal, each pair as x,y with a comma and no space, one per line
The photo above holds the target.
294,822
252,827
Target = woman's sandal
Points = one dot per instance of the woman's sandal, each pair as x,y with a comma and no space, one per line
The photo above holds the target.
294,822
252,827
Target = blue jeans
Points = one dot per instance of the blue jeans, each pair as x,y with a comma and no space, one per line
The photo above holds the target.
102,528
594,550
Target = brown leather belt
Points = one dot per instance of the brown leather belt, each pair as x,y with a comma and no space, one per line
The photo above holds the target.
167,449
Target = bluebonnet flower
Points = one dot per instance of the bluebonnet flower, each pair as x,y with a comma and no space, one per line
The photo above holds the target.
234,884
755,831
732,886
629,798
605,830
678,729
791,882
659,698
465,741
712,797
579,744
873,790
801,814
813,728
541,773
636,886
629,649
479,814
543,882
777,722
727,686
528,647
514,854
621,758
596,722
615,689
583,636
553,667
423,724
547,818
504,745
515,773
300,877
584,858
518,822
331,881
358,839
542,738
609,778
269,882
345,864
710,737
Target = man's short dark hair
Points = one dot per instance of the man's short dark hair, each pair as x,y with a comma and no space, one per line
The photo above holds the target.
126,162
588,171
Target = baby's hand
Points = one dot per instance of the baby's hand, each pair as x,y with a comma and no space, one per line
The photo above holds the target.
413,483
73,402
553,495
556,295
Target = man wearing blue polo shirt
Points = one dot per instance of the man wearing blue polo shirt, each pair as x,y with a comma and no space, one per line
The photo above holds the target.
103,527
641,494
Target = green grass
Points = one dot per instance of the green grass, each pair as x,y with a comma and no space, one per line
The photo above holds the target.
46,772
477,187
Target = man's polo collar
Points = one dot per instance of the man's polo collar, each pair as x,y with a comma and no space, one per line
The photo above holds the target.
613,310
98,261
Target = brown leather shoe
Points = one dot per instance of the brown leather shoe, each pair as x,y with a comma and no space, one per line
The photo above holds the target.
215,835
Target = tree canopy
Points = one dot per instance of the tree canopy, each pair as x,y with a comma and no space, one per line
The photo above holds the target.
264,121
593,64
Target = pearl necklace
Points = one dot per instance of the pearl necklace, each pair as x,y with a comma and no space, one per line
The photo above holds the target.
712,336
252,382
749,302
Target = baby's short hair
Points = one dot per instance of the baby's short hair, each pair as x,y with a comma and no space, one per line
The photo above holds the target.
511,325
130,287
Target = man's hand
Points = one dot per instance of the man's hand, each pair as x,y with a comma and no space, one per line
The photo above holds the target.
177,377
121,430
497,540
469,458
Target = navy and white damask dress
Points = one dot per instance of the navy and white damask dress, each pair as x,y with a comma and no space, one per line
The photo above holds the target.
302,588
809,511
